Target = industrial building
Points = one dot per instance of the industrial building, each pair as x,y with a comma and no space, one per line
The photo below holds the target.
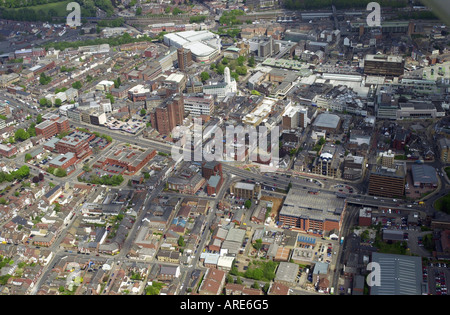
328,122
398,275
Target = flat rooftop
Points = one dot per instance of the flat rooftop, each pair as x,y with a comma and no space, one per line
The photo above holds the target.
399,275
128,155
384,58
300,203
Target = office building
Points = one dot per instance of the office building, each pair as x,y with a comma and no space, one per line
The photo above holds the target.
384,65
388,181
198,105
77,143
328,162
246,191
48,128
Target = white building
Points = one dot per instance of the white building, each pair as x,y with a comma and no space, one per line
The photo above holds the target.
221,89
199,105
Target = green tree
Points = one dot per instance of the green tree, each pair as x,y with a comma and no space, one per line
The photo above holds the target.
248,204
39,116
143,112
240,60
181,242
77,85
58,102
86,167
21,135
28,157
251,62
177,11
44,79
204,76
258,244
43,101
60,172
241,70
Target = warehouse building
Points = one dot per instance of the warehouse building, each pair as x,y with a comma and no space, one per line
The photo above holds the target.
424,176
399,275
328,122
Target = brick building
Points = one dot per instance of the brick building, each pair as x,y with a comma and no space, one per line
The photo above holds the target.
311,213
168,114
48,128
76,143
125,160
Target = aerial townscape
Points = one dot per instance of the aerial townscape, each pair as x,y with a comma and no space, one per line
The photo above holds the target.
224,147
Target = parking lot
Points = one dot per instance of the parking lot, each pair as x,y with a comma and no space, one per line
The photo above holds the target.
436,275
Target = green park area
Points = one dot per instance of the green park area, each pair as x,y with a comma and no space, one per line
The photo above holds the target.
443,204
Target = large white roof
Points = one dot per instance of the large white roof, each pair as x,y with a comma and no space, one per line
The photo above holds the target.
199,49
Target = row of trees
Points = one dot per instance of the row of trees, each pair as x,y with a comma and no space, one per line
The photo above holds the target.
258,270
340,4
111,23
24,3
113,41
114,180
27,14
229,18
23,10
21,173
58,172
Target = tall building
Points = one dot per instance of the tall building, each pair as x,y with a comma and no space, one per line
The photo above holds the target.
384,65
294,117
387,159
387,181
168,114
184,58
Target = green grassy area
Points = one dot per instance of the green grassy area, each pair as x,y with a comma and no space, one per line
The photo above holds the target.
443,204
59,7
447,170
